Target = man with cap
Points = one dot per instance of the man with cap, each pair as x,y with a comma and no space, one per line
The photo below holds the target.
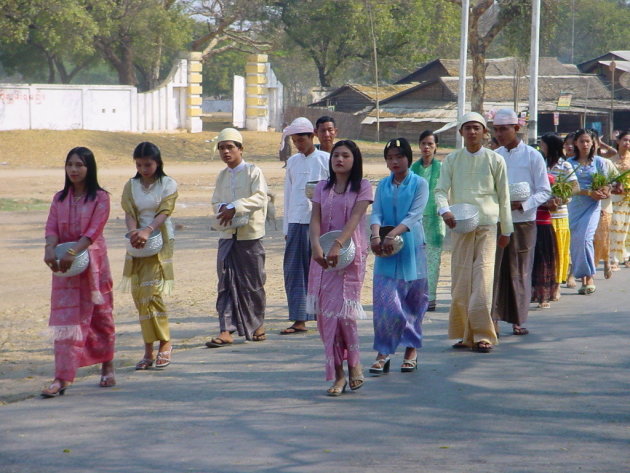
240,191
478,176
513,264
309,164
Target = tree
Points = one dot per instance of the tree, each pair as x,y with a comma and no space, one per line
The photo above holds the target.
136,35
229,25
337,35
487,19
55,33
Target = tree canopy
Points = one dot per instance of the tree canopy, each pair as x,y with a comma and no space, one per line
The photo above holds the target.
310,42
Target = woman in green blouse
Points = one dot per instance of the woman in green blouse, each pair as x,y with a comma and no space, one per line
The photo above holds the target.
429,168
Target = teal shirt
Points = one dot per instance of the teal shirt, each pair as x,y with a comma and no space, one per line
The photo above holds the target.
434,228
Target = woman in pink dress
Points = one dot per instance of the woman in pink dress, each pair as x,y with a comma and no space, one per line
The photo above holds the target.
81,318
334,295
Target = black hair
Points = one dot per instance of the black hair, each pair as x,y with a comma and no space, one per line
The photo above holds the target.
324,119
91,180
594,132
403,145
570,136
238,144
356,173
147,149
554,148
593,136
621,135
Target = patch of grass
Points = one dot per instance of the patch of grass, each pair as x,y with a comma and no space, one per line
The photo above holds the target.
22,205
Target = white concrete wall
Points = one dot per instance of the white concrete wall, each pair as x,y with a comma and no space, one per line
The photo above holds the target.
100,107
238,112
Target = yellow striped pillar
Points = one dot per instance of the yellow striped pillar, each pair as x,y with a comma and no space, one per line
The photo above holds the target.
193,103
256,101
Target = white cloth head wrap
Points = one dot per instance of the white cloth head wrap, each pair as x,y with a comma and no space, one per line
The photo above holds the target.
299,125
505,116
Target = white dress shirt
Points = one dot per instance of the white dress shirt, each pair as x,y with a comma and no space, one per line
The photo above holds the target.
525,164
300,170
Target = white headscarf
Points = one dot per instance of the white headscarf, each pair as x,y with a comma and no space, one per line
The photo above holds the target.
299,125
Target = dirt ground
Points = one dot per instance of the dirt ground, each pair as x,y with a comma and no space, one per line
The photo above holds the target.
31,171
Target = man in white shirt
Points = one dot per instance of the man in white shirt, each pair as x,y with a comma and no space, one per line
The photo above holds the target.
240,191
513,264
309,164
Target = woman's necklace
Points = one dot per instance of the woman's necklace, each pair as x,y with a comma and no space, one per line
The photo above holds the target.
78,197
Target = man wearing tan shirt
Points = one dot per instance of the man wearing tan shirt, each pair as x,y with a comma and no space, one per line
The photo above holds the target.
477,176
240,191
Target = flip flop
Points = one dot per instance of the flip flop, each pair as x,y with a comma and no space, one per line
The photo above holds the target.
461,345
107,381
292,330
520,331
482,347
590,289
218,343
261,337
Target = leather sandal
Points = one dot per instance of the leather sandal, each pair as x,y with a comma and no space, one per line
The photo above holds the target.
144,364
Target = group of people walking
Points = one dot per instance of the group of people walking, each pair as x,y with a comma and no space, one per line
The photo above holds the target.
496,269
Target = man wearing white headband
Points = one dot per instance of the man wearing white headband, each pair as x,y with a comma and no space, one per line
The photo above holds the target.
513,264
309,164
474,175
240,194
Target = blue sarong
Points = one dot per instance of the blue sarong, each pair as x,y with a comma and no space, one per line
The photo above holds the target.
583,221
297,258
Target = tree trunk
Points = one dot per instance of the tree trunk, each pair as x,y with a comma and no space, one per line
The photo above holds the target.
478,54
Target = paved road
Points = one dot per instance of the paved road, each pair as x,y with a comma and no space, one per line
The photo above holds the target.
556,400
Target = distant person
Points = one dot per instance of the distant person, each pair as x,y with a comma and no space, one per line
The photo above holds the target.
568,147
240,191
428,167
285,151
81,320
334,295
601,240
400,289
513,264
478,176
551,147
544,282
584,209
148,201
308,165
620,225
326,131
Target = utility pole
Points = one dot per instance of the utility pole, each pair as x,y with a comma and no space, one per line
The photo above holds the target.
613,66
463,61
532,126
378,105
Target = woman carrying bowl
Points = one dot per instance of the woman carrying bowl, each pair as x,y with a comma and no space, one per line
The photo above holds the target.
334,295
81,318
429,168
148,201
400,280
